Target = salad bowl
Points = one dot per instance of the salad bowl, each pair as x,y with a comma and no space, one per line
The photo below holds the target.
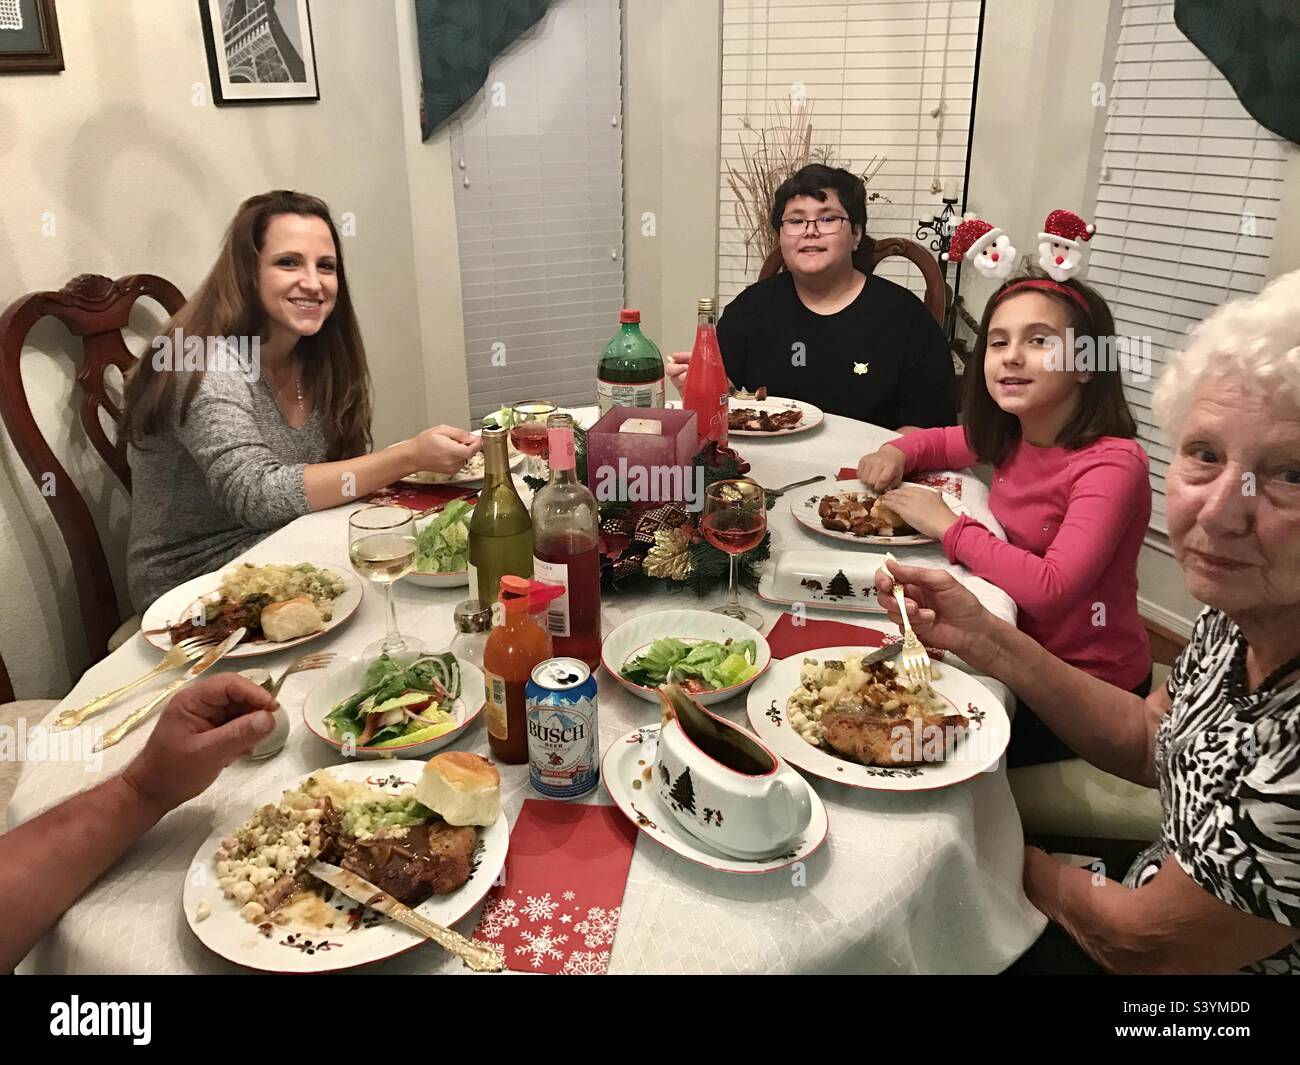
713,656
442,558
401,691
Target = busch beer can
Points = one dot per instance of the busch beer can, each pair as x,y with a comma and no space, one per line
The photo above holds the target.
563,751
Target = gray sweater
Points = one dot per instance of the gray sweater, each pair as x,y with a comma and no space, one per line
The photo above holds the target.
206,490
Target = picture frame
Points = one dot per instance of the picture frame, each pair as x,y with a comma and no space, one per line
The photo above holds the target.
29,37
259,51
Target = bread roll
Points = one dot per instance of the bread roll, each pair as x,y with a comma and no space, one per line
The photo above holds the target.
290,619
464,788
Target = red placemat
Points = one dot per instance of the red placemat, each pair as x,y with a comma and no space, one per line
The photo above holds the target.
565,874
945,482
421,498
790,636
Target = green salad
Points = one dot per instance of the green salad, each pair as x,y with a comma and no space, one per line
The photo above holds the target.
399,704
443,544
698,667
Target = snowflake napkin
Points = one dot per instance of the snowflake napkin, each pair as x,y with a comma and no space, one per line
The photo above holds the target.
791,637
945,482
565,874
421,498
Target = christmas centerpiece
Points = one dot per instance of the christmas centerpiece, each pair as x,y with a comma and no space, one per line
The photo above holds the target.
650,483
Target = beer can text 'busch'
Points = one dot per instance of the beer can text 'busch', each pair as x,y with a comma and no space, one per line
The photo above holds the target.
563,748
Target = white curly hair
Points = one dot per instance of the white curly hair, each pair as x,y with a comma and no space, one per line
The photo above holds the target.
1254,340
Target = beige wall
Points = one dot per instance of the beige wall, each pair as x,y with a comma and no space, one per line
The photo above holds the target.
137,178
672,64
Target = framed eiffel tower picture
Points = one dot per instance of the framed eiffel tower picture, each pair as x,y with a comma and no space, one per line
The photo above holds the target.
259,51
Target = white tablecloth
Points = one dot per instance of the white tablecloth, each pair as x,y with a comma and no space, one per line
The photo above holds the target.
919,882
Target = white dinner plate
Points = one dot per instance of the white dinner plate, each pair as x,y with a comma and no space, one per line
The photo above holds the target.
286,949
804,503
471,473
812,416
346,679
627,770
175,605
824,578
979,750
690,626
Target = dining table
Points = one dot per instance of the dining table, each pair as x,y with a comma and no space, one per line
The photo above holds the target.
907,882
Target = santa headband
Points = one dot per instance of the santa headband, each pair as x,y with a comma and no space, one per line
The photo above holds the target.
1060,250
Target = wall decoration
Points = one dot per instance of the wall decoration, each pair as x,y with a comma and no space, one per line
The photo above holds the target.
29,37
259,51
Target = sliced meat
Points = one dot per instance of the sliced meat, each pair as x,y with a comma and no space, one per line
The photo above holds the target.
431,859
898,741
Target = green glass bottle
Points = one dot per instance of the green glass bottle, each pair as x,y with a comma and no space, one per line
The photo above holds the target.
631,369
501,530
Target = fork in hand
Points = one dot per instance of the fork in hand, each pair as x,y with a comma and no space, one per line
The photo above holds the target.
914,660
311,661
181,654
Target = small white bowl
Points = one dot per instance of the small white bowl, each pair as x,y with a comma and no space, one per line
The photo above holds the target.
691,626
346,679
456,579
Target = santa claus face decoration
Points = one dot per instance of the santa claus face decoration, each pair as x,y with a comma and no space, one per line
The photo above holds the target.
1060,249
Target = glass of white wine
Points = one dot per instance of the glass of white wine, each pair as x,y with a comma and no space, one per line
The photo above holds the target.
382,548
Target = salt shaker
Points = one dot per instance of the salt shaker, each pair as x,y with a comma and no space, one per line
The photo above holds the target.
275,741
473,621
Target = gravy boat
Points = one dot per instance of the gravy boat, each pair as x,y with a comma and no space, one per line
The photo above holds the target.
722,785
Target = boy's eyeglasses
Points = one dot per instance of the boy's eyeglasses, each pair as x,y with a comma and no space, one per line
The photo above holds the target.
829,224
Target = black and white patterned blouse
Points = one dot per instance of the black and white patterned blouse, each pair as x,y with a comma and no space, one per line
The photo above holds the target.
1229,768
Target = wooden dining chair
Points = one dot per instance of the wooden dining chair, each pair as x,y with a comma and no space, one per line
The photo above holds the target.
96,309
867,260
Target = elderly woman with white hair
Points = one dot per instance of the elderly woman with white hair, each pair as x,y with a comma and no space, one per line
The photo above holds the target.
1220,890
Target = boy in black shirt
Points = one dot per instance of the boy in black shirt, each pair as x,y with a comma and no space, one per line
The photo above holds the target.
822,331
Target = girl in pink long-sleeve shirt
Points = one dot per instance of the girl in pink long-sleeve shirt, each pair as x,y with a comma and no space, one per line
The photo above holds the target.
1070,487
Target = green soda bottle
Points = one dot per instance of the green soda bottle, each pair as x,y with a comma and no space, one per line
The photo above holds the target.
631,370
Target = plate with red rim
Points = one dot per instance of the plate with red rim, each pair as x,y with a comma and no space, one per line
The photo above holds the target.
626,770
174,606
979,750
471,473
304,947
812,416
805,501
347,678
636,635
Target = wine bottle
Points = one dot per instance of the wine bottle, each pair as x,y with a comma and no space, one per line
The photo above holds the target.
500,532
566,524
705,389
631,369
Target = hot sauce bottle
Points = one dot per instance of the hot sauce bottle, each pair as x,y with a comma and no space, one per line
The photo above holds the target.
515,646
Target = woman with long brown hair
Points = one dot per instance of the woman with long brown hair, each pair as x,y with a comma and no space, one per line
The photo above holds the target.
254,405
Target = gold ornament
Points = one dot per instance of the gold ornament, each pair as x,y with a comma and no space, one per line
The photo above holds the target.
671,555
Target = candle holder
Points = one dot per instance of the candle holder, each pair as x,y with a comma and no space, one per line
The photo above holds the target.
938,230
642,467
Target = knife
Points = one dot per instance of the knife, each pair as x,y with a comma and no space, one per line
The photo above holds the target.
115,734
881,654
478,957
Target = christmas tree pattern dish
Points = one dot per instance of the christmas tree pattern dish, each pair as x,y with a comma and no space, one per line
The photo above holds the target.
722,785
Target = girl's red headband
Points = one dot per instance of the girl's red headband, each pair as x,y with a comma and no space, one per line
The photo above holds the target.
1047,286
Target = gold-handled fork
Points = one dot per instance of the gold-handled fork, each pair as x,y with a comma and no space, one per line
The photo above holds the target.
183,653
914,660
319,660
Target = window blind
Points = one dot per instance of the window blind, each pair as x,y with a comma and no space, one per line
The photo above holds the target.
873,71
1187,201
537,164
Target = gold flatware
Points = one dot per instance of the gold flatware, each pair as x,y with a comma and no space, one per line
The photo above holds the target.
319,660
914,660
477,956
183,652
210,659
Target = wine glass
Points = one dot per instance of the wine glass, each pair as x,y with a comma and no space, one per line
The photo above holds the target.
734,521
382,548
528,433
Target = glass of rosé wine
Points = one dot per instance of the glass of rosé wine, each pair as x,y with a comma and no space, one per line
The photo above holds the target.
734,521
528,433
